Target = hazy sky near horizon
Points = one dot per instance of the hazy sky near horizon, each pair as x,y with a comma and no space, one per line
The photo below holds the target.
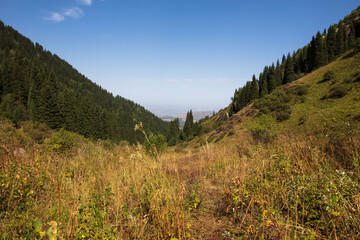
172,55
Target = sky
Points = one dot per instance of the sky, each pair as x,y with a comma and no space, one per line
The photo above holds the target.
171,56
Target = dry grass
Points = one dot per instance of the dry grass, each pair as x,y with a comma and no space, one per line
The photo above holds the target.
240,190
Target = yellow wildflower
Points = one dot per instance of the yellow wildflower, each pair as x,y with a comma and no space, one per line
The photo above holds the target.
250,229
268,223
265,212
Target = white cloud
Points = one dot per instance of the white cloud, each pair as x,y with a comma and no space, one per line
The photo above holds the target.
56,17
85,2
74,12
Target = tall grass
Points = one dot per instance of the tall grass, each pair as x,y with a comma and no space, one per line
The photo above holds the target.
288,189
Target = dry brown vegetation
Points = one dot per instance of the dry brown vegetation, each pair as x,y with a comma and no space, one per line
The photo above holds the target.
292,188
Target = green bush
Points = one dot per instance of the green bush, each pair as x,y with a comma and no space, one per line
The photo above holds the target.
61,141
301,90
283,115
329,75
155,146
263,128
338,92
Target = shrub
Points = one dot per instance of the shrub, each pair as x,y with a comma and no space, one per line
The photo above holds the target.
263,128
282,116
61,141
338,92
36,131
329,75
155,146
301,90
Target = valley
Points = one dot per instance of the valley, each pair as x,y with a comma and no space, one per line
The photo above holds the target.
281,161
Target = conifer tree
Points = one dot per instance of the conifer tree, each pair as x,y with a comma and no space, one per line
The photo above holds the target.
35,96
340,39
263,90
174,132
320,52
254,92
311,55
289,74
278,73
49,98
271,79
331,43
189,125
352,36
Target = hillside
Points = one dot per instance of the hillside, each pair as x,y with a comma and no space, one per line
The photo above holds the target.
37,85
284,167
309,105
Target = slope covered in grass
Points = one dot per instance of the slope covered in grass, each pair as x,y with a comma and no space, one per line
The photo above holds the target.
306,106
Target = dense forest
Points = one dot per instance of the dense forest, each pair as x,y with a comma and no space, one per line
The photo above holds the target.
39,86
323,48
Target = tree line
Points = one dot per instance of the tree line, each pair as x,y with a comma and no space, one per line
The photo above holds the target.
191,129
39,86
322,49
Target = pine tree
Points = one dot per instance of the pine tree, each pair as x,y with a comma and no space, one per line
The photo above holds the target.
289,74
35,96
67,109
49,98
311,55
271,79
189,125
320,52
254,92
278,73
331,43
352,36
340,39
263,90
174,132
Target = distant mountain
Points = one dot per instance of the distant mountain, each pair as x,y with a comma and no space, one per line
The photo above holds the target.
39,86
197,115
182,117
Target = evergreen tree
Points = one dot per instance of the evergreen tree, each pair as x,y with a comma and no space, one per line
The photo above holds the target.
320,52
254,92
189,125
311,55
352,35
331,43
263,90
278,73
49,98
289,74
271,79
67,110
340,39
35,96
174,132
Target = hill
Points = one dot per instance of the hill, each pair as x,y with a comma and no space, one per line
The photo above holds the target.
37,85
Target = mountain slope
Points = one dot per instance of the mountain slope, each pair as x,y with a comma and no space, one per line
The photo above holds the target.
37,85
312,105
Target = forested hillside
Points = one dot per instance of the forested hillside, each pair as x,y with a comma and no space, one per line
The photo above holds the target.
39,86
323,48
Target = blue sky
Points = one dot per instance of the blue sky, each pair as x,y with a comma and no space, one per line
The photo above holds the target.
172,55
